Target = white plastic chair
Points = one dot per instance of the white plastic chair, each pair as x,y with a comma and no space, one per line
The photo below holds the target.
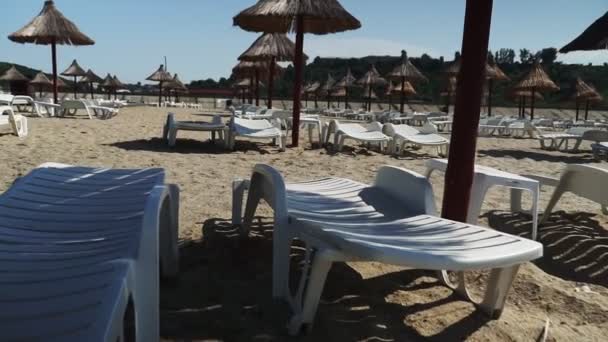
79,245
254,129
172,126
16,122
392,221
427,136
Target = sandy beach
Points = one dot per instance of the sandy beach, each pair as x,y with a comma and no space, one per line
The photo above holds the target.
223,292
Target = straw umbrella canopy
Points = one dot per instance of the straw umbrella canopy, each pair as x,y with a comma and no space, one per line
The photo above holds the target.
177,86
41,80
13,76
595,37
160,76
369,80
313,89
271,48
299,16
90,77
242,87
536,80
255,71
51,27
111,85
347,82
406,72
495,75
328,88
75,71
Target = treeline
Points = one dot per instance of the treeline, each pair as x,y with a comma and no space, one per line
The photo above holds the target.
515,64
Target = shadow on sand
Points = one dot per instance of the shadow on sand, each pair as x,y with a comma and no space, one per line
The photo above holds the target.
191,146
224,293
576,245
569,158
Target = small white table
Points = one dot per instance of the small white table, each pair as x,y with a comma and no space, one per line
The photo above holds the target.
486,177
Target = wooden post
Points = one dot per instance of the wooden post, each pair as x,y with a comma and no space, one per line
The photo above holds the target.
257,86
75,89
532,103
402,108
299,78
577,109
523,108
91,89
54,57
449,99
346,97
369,103
271,81
587,110
160,93
490,83
461,165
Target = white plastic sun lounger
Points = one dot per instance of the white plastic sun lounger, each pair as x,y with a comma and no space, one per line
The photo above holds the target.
172,126
586,181
254,129
16,122
80,247
426,136
20,101
73,106
392,221
42,108
354,131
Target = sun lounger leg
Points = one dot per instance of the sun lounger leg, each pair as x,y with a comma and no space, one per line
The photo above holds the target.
477,195
172,136
312,287
557,194
497,289
169,235
238,192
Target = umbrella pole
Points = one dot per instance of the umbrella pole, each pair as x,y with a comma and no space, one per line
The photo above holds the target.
251,88
532,103
449,99
75,89
40,91
523,108
577,109
461,165
299,78
402,108
519,107
270,82
369,103
91,89
257,86
586,110
346,98
54,56
160,93
490,81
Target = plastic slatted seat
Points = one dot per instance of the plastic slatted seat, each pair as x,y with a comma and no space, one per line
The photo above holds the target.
77,245
392,221
172,126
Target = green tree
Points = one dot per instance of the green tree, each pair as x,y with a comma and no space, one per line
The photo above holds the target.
548,55
525,56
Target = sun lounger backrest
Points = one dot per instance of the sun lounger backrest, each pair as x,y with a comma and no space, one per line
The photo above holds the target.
73,104
577,130
6,99
586,181
596,136
413,191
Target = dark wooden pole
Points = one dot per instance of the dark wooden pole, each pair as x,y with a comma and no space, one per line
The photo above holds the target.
369,103
586,110
449,100
54,56
532,103
490,84
523,108
402,107
160,93
251,88
299,78
257,86
271,81
390,102
346,98
40,91
577,109
461,165
75,89
91,89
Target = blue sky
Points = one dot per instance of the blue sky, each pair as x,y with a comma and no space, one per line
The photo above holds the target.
198,38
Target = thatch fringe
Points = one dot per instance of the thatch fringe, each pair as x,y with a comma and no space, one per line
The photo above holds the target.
595,37
271,45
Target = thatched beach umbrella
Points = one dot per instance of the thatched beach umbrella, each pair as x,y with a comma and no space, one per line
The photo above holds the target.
347,82
369,80
595,37
51,27
328,88
406,72
14,77
255,71
313,89
177,86
536,80
369,94
41,81
299,16
496,75
90,77
271,48
74,70
585,92
160,76
242,86
110,84
521,96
